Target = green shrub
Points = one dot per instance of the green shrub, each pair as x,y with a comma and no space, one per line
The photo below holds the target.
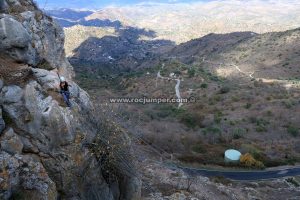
235,98
238,133
224,90
286,64
254,151
260,124
288,104
204,85
269,98
218,117
191,72
164,111
232,123
198,148
248,106
269,113
192,120
294,131
261,128
212,129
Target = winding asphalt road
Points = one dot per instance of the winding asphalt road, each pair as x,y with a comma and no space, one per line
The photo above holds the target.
177,91
244,175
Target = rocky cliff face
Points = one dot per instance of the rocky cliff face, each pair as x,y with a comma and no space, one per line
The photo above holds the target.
45,147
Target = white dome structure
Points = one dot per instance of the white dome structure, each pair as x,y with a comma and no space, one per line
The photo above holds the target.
232,155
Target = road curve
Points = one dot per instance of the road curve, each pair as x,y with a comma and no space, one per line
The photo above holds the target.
177,86
244,175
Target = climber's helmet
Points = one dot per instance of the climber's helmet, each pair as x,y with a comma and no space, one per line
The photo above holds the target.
62,79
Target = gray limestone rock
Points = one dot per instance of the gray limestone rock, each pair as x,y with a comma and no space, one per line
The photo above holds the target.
10,142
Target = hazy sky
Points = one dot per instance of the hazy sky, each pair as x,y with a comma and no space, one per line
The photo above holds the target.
47,4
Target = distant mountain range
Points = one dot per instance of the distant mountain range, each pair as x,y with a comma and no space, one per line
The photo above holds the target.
116,35
69,18
69,14
183,22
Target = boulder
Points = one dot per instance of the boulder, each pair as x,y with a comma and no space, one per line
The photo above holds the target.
10,142
14,39
13,34
11,94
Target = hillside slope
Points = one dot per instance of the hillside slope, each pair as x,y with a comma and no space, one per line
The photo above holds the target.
255,113
246,89
272,55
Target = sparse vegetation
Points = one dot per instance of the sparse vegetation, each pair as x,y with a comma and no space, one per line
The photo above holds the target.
224,90
112,148
192,120
191,72
248,105
292,130
199,148
261,124
234,111
218,117
204,85
212,129
289,104
238,133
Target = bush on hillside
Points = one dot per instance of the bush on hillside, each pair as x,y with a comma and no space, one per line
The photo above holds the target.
249,161
224,90
292,130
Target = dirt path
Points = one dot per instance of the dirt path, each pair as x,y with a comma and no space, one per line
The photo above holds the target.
250,74
177,86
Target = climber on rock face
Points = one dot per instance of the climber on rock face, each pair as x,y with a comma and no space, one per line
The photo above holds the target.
64,90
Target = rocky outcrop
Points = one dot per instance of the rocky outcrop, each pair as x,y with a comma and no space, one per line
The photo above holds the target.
24,177
11,142
29,36
45,150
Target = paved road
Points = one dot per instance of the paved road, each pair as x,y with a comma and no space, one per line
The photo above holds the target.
244,175
177,86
